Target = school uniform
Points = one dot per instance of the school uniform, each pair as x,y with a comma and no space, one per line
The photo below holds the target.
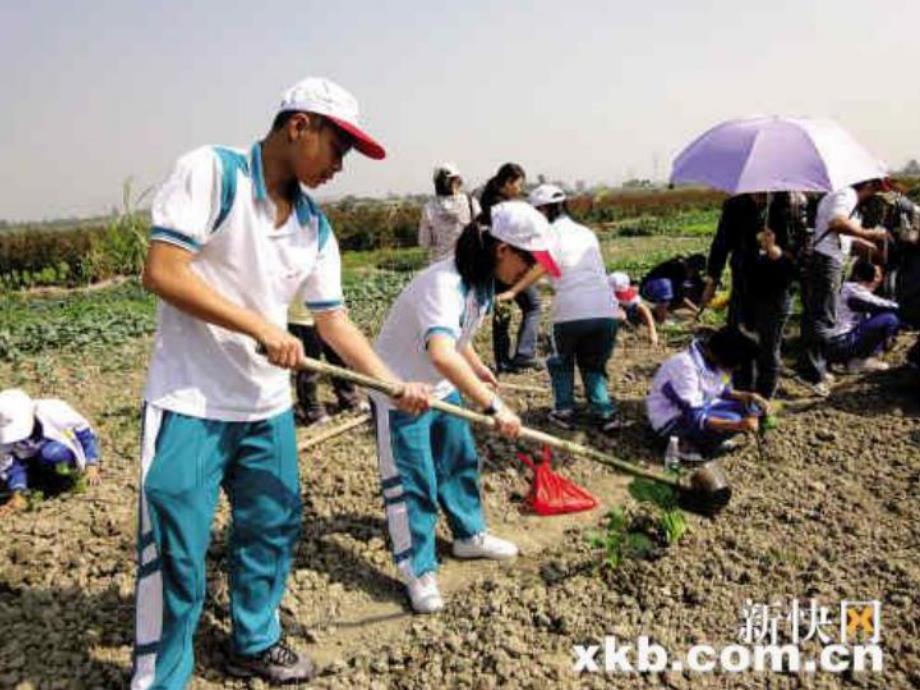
686,392
61,436
218,415
865,322
584,317
429,460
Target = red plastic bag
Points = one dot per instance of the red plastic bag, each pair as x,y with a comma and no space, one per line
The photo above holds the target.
551,494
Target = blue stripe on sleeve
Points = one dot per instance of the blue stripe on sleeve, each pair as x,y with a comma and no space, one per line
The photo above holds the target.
87,439
325,305
695,416
174,237
440,330
16,479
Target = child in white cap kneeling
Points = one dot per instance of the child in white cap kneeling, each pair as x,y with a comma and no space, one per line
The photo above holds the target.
46,432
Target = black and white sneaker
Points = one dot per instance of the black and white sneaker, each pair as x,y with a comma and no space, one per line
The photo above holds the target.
278,664
614,422
564,419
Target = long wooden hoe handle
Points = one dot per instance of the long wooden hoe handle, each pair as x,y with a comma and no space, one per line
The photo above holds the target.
394,391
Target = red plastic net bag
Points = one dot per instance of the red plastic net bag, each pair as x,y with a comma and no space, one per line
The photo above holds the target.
551,494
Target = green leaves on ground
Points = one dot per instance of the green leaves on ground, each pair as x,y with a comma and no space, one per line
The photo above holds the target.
642,533
671,520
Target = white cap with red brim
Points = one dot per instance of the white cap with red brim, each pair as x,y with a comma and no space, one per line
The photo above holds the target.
519,224
326,98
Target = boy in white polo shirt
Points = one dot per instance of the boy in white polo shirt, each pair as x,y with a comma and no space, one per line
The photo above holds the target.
234,240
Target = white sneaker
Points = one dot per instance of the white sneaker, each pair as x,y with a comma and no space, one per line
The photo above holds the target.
484,545
424,594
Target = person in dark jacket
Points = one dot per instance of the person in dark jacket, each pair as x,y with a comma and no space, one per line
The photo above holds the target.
757,249
508,184
674,284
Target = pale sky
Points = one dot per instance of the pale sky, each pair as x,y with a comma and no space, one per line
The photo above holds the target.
96,91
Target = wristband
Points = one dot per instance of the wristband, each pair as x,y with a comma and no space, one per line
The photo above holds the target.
495,406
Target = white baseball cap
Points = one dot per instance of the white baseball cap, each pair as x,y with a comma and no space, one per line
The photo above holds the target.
448,169
519,224
623,291
546,194
17,415
618,280
326,98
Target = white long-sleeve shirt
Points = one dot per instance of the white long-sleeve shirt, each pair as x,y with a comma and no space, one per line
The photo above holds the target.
857,302
443,219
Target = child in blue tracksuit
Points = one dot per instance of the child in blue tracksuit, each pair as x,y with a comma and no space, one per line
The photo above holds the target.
691,395
48,432
430,461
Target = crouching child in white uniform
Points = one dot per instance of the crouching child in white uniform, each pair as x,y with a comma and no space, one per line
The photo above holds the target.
691,395
48,433
866,323
431,461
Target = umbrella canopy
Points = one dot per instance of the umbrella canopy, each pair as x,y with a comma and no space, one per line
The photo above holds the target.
776,154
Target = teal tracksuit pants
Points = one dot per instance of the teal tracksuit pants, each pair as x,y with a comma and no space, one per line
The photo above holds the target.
587,343
185,462
426,462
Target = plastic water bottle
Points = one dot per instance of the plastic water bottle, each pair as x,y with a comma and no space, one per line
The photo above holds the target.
672,454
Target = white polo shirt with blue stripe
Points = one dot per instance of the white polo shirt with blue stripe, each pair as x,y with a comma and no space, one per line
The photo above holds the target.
215,205
436,301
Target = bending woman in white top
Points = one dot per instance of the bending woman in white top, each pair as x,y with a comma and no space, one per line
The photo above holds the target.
430,460
584,314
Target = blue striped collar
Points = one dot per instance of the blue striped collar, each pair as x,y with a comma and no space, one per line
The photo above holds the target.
304,206
696,353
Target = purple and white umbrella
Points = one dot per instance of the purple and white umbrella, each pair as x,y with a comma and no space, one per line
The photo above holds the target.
776,154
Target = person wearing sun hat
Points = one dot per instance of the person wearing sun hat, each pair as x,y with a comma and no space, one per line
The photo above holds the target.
444,217
47,432
431,460
235,239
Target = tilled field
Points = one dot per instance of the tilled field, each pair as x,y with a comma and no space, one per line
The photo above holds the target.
825,511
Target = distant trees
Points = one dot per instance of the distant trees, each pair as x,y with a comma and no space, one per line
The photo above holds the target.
912,168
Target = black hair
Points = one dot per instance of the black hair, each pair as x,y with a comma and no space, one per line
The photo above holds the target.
553,211
475,256
443,183
281,119
491,193
863,271
875,183
695,263
730,348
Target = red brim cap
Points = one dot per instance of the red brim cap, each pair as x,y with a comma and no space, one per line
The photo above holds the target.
546,261
363,142
626,295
